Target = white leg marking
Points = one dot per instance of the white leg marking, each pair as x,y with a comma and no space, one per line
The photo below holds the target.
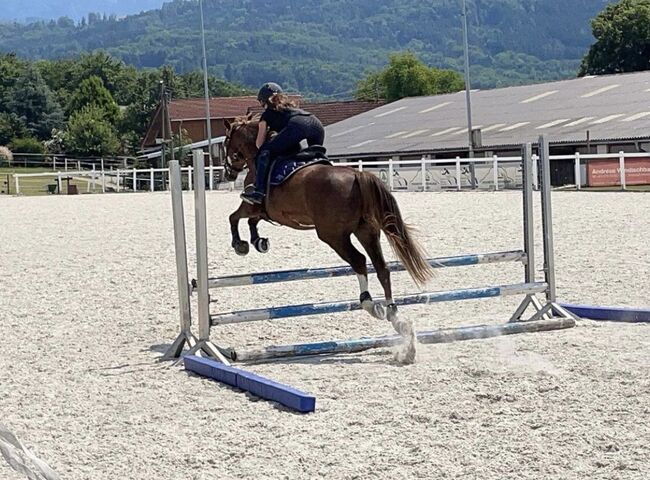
363,283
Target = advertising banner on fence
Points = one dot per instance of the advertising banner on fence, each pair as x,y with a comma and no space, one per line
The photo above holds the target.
607,173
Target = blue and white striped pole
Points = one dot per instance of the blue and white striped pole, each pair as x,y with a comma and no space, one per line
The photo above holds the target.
329,272
346,306
437,336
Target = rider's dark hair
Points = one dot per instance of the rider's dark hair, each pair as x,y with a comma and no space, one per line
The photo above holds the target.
281,102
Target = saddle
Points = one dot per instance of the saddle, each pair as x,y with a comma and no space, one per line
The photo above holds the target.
283,168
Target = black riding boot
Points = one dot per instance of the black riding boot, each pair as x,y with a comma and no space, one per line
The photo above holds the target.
262,163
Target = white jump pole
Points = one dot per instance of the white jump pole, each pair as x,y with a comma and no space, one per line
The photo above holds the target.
204,344
180,245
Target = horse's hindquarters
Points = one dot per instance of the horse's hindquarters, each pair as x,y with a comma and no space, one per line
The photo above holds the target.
317,196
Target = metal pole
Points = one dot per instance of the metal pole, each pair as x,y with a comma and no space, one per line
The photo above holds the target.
423,172
468,97
206,88
529,224
547,218
621,163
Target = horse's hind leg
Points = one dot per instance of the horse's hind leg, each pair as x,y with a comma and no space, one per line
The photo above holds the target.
370,239
342,245
260,244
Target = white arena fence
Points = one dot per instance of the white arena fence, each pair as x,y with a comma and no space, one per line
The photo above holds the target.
620,170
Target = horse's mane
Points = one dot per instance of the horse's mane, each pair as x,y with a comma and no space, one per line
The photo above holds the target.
248,124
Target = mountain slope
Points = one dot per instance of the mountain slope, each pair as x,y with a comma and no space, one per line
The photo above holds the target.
325,46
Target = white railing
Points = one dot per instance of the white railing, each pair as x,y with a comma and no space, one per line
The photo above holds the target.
95,181
424,174
496,173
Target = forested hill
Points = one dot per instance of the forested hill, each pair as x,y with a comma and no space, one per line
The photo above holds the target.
325,46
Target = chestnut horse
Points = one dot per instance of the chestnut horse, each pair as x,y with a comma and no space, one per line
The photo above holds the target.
335,201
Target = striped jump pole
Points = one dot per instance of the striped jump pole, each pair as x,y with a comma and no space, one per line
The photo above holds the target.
437,336
351,305
342,271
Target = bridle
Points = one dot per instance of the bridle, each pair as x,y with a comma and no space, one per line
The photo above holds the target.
230,168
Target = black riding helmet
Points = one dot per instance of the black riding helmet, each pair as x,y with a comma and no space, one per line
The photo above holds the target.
267,91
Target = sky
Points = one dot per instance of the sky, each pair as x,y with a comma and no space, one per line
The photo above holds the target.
51,9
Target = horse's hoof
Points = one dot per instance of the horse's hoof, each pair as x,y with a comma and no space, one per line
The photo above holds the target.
241,248
378,311
375,309
262,245
391,313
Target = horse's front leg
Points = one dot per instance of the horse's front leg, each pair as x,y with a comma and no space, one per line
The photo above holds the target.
241,246
262,245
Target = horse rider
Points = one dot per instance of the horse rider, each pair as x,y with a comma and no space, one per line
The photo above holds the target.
292,125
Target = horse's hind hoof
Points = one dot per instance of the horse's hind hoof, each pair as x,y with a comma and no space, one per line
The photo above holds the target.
262,245
241,248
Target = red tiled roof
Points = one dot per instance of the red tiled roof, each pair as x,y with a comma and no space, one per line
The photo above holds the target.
332,112
220,107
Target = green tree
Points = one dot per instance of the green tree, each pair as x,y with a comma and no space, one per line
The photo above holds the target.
406,76
91,91
27,145
371,88
11,127
622,34
89,133
33,102
10,69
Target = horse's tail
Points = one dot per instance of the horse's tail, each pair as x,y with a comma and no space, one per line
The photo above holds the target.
380,210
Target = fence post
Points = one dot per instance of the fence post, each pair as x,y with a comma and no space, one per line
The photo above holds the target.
576,171
621,161
78,165
102,163
211,173
360,165
424,174
65,164
458,181
135,180
117,189
495,172
59,182
94,183
17,184
103,181
391,172
536,172
54,164
151,180
189,177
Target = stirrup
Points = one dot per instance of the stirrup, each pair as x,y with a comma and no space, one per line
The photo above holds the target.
253,198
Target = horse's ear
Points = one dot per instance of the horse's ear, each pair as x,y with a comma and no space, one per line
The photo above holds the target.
227,124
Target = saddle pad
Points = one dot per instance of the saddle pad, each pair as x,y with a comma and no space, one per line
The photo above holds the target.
283,169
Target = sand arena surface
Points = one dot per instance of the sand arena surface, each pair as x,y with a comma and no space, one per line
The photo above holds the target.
89,303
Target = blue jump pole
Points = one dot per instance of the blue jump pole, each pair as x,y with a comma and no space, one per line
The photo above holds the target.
328,272
436,336
611,314
346,306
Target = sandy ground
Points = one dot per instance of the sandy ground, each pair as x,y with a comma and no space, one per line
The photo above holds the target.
88,304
